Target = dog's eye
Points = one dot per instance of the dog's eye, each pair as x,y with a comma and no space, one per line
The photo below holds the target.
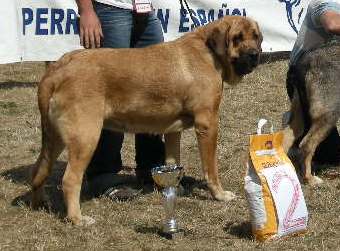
238,39
257,37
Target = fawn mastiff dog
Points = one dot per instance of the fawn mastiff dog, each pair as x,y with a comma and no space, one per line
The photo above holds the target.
315,107
161,89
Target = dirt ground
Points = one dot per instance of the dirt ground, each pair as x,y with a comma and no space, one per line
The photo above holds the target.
133,225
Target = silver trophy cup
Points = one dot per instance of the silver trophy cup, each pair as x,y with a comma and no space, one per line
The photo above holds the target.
168,177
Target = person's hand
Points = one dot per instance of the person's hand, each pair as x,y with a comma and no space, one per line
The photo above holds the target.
330,21
90,30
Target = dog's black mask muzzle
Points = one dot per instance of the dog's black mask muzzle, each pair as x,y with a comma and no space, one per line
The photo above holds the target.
246,62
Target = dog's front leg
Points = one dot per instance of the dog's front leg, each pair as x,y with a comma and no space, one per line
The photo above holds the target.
173,148
206,125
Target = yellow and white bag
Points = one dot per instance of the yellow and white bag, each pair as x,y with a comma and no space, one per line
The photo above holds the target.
276,202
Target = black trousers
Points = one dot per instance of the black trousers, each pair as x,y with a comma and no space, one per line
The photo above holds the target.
328,152
150,152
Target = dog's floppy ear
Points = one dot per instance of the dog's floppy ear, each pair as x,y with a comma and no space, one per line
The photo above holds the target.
218,40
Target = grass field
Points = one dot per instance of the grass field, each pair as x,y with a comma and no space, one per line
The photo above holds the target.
133,225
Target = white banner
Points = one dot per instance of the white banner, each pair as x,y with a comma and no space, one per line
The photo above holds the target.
43,30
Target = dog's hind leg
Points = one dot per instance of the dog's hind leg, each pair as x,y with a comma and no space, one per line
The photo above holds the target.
81,138
294,130
206,125
318,132
51,148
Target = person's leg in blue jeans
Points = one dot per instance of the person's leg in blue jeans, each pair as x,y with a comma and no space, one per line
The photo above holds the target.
150,150
117,28
122,29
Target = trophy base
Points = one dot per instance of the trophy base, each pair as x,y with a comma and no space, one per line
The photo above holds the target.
179,234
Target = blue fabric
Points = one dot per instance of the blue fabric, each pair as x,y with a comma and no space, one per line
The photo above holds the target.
318,10
312,34
122,28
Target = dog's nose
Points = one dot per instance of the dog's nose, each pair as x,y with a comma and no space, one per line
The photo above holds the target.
253,55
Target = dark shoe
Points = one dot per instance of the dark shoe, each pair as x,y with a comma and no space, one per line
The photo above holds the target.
98,185
144,176
122,193
331,174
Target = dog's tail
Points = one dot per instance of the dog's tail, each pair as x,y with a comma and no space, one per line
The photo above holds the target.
47,87
45,92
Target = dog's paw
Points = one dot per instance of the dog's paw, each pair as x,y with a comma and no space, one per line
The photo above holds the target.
225,196
83,221
315,181
86,221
